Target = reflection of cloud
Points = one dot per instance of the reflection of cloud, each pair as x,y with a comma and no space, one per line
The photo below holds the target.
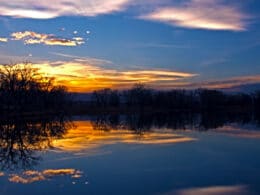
30,37
45,9
201,14
234,130
214,190
1,174
85,138
2,39
31,176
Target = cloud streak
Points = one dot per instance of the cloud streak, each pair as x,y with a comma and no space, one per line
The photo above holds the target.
46,10
201,14
30,37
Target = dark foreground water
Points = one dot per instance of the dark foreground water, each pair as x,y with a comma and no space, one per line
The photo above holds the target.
128,155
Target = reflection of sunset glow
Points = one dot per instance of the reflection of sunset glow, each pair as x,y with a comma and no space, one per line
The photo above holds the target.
84,137
214,190
31,176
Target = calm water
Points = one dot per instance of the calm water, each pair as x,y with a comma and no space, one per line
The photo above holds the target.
129,155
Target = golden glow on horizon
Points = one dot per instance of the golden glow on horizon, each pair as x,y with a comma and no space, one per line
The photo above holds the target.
87,74
82,76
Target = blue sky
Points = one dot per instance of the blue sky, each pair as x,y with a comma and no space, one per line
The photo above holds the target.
164,44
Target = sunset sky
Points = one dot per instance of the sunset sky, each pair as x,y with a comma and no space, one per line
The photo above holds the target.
93,44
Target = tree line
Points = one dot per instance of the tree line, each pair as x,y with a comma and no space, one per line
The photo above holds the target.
141,97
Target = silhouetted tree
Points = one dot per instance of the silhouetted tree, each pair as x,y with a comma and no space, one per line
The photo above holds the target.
24,88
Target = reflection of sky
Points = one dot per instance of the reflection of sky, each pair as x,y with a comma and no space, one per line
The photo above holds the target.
84,138
188,37
213,164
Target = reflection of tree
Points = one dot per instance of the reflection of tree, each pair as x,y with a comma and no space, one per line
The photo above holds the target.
21,137
106,122
139,123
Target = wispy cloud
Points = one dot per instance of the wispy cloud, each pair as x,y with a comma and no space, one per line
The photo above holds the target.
3,39
45,9
30,37
88,60
201,14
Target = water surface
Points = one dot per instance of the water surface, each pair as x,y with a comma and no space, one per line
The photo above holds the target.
129,155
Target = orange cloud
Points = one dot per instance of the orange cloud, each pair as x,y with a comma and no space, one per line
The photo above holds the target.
201,14
30,37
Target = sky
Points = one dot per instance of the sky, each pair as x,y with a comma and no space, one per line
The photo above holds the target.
164,44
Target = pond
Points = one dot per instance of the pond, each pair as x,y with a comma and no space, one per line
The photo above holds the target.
129,155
